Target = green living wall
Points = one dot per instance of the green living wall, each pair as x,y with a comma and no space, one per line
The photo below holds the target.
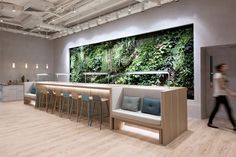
168,50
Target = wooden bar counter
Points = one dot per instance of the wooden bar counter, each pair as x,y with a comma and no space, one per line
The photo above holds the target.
171,123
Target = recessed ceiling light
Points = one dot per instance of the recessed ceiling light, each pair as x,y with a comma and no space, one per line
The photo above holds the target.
130,9
74,10
1,20
13,10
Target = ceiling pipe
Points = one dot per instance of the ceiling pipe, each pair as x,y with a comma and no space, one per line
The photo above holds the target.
11,23
53,27
61,7
70,14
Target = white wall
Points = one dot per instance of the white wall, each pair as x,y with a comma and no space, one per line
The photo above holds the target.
214,24
23,49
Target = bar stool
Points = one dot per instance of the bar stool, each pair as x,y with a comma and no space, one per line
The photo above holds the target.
66,102
85,100
97,100
51,97
57,100
75,101
43,98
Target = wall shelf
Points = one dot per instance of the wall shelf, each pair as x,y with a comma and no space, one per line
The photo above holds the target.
95,74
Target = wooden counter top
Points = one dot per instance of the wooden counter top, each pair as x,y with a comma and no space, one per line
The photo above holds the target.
107,86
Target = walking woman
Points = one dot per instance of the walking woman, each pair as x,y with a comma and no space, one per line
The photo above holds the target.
220,92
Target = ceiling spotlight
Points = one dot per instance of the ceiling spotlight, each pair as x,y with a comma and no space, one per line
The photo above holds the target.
99,19
130,9
159,3
14,9
74,11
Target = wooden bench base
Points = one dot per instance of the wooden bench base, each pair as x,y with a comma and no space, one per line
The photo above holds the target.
117,123
28,100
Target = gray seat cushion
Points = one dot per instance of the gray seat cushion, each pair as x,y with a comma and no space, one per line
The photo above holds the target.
131,103
151,106
137,116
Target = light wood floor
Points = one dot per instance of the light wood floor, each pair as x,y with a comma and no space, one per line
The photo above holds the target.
26,132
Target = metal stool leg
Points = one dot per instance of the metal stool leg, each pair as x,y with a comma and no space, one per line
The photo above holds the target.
81,111
101,115
78,109
89,114
71,108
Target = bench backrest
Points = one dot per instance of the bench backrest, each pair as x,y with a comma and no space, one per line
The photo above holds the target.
120,92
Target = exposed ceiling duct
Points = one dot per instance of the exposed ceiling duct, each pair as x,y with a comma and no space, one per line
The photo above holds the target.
38,6
31,21
58,18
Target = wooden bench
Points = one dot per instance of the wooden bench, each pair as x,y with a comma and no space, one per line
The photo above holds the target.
173,119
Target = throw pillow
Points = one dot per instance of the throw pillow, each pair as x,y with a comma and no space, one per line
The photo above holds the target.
151,106
131,103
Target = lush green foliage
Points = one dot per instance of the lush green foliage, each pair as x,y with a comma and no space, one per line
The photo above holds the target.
170,50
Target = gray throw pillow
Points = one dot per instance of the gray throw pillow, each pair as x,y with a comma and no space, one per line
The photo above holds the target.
151,106
131,103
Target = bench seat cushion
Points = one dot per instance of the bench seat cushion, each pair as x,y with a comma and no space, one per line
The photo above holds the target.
29,95
137,116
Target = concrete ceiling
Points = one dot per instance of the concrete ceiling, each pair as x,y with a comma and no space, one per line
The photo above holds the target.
53,19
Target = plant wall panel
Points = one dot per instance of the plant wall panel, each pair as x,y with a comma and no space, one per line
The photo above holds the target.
168,50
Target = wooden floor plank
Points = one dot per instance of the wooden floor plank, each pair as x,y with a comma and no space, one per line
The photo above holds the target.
27,132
